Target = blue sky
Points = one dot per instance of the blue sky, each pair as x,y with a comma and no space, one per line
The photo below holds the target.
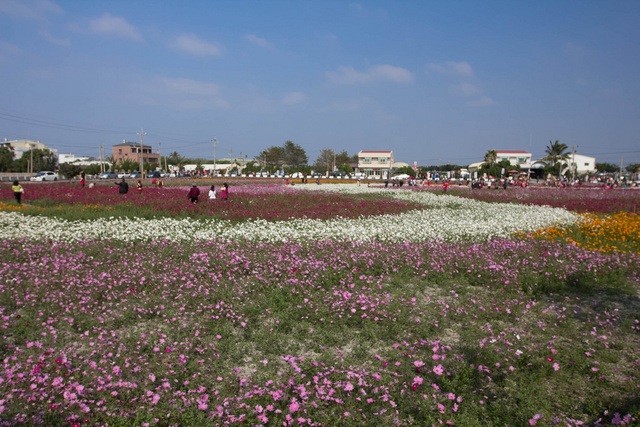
434,81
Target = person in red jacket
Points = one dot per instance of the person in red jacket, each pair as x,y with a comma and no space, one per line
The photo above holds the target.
194,193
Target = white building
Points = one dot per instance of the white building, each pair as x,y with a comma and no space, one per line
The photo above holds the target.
515,157
582,164
21,146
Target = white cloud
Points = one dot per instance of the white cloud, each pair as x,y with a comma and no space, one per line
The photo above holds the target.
292,98
191,44
451,68
484,101
182,93
258,41
35,10
54,40
349,76
465,89
114,26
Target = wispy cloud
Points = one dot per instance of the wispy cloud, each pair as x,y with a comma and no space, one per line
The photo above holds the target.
451,68
484,101
465,89
46,34
114,26
34,10
185,93
349,76
259,41
193,45
292,98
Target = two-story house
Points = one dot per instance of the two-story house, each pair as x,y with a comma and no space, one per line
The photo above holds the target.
375,164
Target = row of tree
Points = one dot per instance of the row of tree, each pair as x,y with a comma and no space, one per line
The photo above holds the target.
43,160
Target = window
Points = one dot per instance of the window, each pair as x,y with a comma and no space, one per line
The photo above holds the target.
504,158
382,160
366,160
586,164
522,160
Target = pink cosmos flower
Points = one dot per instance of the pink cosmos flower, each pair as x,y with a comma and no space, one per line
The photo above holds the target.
438,370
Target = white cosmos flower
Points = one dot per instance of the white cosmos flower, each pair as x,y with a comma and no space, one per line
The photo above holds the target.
445,217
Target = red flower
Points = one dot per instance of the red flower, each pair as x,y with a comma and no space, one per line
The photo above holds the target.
549,359
58,361
385,363
415,386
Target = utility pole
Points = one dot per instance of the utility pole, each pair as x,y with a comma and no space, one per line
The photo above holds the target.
160,153
31,164
573,165
100,157
215,142
142,134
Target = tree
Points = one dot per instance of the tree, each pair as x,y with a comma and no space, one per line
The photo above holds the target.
69,170
294,155
491,157
495,169
272,157
43,160
129,165
633,168
607,167
557,156
176,159
6,158
343,158
408,170
324,162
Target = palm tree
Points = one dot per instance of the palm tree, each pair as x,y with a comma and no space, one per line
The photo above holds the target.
556,154
491,157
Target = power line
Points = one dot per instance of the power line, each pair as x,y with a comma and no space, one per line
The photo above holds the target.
54,125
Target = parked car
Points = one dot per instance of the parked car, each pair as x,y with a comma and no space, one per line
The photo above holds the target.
402,176
122,174
154,175
108,175
45,176
135,175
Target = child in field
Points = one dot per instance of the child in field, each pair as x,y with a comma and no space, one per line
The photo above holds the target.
224,194
212,192
17,191
139,186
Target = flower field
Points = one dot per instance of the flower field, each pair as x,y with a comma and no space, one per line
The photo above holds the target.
424,310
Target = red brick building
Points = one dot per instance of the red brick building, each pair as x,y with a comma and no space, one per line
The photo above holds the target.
131,151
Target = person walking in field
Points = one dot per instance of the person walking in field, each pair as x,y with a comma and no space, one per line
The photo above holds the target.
194,193
212,192
139,186
18,191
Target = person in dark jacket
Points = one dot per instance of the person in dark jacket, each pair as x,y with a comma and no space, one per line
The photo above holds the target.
194,193
123,187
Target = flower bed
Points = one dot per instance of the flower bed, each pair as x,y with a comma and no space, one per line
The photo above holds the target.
426,317
323,333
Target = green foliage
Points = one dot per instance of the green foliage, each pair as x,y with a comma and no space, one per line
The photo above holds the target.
607,167
128,165
405,169
6,158
43,160
69,170
633,168
495,169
